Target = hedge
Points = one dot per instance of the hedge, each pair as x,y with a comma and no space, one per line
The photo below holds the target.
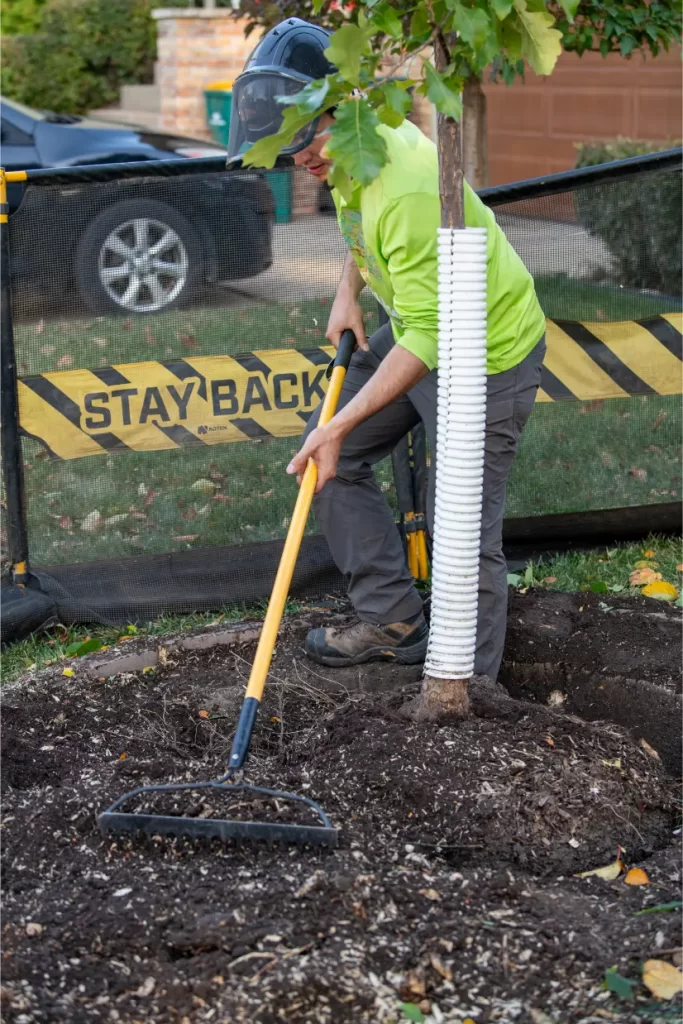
639,221
82,55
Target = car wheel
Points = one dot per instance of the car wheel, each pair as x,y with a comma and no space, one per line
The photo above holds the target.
138,257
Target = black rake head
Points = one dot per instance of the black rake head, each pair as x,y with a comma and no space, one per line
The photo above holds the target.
224,829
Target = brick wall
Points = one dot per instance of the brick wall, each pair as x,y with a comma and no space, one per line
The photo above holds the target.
196,46
533,125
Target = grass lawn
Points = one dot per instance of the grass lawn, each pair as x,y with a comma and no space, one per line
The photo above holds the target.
567,572
572,456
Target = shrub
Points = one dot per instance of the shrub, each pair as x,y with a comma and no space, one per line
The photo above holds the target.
639,220
82,55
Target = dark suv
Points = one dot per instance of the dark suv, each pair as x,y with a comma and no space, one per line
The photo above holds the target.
139,245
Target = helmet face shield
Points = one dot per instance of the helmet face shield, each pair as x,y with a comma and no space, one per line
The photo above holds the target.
257,110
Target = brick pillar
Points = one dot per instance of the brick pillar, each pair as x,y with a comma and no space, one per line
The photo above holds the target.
196,46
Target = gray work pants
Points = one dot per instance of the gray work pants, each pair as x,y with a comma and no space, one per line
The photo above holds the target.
359,525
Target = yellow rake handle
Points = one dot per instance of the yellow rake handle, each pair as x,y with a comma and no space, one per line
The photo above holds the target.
283,579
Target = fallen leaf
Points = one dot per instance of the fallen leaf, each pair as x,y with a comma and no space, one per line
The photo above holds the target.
67,671
636,876
645,564
549,740
609,872
147,669
660,591
64,361
100,342
186,537
412,1012
203,713
550,579
622,987
650,751
93,522
662,978
556,698
123,756
33,929
162,655
648,553
679,567
188,341
639,474
660,419
615,762
80,647
639,577
204,486
66,522
430,894
440,967
413,986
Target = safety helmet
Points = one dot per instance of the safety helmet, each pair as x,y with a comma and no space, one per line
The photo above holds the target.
287,58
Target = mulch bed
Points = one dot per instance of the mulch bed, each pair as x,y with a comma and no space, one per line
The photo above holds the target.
453,887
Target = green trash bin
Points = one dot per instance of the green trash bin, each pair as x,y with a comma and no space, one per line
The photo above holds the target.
218,107
280,183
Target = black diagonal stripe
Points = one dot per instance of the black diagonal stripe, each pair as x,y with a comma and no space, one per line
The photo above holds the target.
554,387
305,416
251,428
111,442
665,333
180,436
108,375
316,355
603,356
42,387
252,364
41,441
184,371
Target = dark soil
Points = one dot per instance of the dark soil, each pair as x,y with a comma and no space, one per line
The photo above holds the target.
453,886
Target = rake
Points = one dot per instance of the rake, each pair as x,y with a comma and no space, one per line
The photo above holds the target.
117,820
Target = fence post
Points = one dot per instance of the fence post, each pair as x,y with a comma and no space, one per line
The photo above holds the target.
12,460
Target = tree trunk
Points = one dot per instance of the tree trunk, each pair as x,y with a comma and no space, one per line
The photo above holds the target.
475,149
445,698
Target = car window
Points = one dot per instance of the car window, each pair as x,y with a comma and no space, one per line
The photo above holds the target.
13,136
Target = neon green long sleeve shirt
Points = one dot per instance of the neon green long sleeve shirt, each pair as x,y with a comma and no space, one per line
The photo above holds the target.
390,227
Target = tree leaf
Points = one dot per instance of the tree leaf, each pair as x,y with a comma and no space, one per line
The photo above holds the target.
397,100
339,179
570,7
514,579
442,96
541,42
636,876
598,587
355,144
621,986
412,1012
663,979
473,25
311,98
386,20
419,22
501,8
608,873
265,152
347,45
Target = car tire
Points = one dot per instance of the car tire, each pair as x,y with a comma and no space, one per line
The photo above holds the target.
138,257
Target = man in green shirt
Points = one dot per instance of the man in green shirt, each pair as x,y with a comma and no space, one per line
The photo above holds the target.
390,228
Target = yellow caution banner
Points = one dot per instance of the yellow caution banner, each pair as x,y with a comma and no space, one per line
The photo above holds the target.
207,400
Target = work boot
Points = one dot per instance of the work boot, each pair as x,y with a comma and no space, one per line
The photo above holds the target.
401,642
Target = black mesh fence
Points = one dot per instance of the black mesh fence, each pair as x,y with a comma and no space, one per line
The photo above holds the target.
169,336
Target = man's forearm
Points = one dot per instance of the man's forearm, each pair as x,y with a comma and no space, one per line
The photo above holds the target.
351,280
396,374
